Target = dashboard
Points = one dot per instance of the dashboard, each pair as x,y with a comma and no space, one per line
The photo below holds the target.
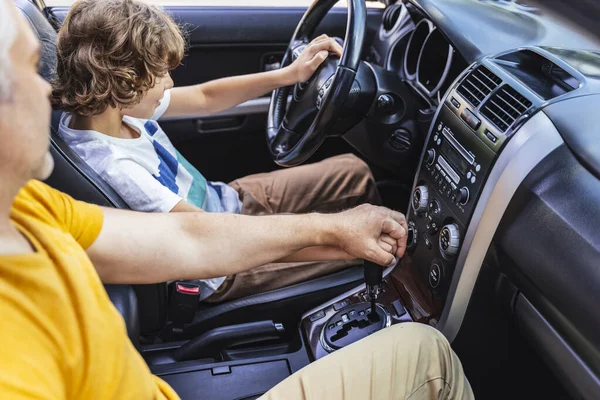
428,58
514,98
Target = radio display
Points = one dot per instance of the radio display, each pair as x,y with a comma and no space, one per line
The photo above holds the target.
455,159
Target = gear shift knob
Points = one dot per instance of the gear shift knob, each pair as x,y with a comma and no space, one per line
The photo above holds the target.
373,278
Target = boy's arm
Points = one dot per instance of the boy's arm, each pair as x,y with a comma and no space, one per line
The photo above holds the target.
148,248
221,94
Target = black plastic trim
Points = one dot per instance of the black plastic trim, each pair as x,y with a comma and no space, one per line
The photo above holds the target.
562,359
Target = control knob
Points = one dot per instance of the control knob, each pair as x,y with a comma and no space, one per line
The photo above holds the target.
420,199
436,274
462,195
449,240
430,157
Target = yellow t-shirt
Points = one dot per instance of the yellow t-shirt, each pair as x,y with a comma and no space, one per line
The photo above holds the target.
60,335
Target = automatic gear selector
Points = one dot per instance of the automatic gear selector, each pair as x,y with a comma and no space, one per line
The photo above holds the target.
353,323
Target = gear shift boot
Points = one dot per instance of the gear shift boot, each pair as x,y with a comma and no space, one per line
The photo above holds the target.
353,323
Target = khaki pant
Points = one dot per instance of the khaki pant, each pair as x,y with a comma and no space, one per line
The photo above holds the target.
331,185
407,361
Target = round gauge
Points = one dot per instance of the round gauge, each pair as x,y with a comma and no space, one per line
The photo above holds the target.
434,62
413,49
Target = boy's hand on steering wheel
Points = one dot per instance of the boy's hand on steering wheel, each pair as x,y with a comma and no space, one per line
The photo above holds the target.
312,56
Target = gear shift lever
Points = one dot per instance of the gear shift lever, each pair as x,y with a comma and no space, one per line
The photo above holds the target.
373,278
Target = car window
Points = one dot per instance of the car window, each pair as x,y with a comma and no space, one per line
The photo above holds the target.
232,3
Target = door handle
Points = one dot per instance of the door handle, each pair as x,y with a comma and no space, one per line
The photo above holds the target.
219,124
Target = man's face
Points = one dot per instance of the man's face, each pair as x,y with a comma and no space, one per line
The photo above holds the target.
151,100
25,115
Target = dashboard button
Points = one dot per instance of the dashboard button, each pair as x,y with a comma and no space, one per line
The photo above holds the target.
470,118
478,167
427,243
435,275
473,179
455,102
491,136
317,316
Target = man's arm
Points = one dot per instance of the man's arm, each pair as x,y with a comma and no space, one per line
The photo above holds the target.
316,253
148,248
221,94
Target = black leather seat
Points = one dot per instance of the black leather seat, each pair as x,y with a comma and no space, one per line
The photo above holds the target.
74,177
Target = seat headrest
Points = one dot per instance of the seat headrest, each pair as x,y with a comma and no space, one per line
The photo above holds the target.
45,32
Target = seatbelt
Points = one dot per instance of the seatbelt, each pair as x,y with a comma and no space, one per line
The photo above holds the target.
41,4
184,297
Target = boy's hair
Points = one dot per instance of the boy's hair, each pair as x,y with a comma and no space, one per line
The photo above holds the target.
110,53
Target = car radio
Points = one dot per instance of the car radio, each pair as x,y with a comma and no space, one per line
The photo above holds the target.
454,167
455,164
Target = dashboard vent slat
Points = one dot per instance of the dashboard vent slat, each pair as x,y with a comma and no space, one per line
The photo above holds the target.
478,85
390,16
504,107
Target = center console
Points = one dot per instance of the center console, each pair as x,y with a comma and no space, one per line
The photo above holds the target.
449,182
488,133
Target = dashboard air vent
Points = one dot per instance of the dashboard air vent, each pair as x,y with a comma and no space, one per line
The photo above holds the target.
391,15
478,85
504,107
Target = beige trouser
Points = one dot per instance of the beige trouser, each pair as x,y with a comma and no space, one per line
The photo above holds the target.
331,185
407,361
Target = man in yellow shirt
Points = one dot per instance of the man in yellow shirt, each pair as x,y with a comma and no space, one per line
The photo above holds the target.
61,336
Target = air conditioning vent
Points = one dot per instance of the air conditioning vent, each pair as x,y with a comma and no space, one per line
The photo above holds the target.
390,16
504,107
478,85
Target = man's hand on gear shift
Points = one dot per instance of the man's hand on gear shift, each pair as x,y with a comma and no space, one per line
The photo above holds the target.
374,233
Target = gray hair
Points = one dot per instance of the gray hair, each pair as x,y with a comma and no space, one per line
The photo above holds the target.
8,33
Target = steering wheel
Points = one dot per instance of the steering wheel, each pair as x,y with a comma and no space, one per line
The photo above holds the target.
296,131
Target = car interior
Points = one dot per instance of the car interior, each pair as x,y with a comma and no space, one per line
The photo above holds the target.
478,119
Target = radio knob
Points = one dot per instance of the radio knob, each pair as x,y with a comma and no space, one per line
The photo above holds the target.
420,199
430,157
462,195
449,241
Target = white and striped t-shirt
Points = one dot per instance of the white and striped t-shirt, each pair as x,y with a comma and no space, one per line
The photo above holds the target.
148,172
